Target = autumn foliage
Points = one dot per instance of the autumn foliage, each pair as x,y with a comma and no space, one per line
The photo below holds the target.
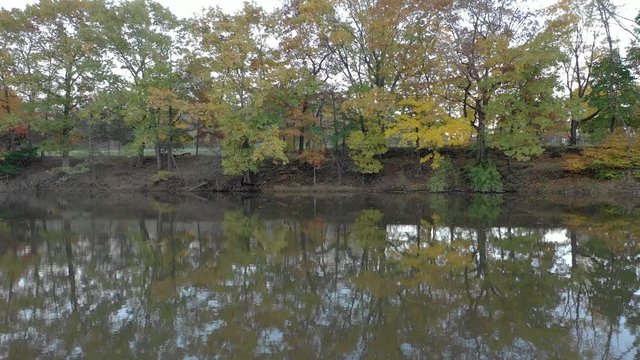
618,155
327,83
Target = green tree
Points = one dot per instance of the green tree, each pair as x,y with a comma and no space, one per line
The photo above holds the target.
236,53
141,36
371,112
305,63
57,63
615,95
633,52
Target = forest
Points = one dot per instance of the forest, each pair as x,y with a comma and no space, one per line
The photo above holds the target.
324,84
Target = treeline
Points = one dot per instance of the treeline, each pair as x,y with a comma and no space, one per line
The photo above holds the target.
323,82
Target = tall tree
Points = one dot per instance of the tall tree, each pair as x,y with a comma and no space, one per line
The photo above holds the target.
236,53
501,63
633,52
70,65
582,50
19,54
305,60
142,36
379,45
615,94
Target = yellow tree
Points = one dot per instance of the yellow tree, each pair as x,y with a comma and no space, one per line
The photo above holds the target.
381,46
426,126
371,112
170,114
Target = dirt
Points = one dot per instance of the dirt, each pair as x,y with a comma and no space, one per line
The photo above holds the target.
111,174
201,174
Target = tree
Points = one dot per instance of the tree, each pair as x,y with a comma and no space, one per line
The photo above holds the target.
526,105
70,66
501,65
19,55
383,48
633,52
141,35
371,112
379,43
235,52
305,64
581,52
170,112
615,95
425,125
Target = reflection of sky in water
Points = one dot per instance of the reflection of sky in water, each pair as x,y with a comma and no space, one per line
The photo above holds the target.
563,250
199,311
404,235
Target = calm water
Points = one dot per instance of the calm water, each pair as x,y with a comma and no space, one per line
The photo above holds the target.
384,277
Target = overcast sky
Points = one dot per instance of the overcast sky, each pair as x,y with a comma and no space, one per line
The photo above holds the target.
182,8
186,8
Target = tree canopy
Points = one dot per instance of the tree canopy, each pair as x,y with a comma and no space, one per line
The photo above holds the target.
320,80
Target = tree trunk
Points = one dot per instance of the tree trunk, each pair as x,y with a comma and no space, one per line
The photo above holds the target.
66,162
158,151
140,159
482,137
573,137
91,162
169,156
246,178
612,125
197,138
417,153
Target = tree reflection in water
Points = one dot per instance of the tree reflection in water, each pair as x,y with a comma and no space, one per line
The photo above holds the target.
378,277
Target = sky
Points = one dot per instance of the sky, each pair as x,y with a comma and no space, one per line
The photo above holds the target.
181,8
186,8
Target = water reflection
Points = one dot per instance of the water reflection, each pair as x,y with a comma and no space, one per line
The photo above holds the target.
367,277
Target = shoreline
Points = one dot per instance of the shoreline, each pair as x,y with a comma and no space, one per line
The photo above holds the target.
201,175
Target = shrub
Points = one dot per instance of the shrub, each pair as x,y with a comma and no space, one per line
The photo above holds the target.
9,169
12,161
364,148
486,178
21,156
441,178
162,176
70,170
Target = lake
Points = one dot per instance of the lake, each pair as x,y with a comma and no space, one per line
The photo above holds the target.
327,277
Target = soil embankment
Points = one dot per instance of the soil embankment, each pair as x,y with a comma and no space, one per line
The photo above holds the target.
544,175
